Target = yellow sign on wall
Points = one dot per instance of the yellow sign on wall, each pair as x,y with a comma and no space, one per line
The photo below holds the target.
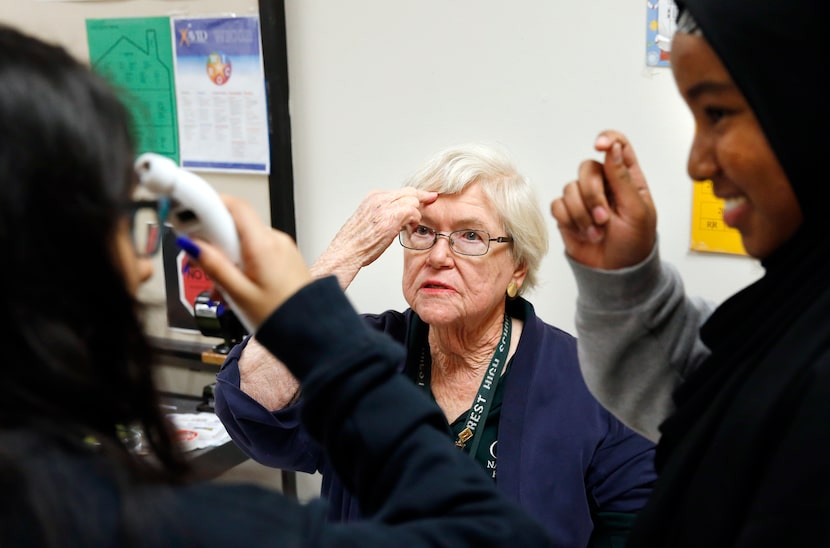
709,233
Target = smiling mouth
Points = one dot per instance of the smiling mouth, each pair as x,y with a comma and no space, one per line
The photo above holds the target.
731,203
735,209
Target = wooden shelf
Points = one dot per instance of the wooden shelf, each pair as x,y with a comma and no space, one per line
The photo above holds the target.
187,355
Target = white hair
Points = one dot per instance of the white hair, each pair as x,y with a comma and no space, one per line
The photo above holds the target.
491,167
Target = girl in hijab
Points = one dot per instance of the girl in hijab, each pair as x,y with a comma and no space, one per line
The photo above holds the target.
736,396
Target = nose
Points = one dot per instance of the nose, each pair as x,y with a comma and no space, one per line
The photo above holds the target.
702,164
440,253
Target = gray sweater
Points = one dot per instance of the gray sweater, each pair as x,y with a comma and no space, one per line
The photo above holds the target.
637,338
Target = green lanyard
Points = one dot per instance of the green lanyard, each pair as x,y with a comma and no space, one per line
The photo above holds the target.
486,391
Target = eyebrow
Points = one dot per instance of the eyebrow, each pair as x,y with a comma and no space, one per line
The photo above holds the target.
710,87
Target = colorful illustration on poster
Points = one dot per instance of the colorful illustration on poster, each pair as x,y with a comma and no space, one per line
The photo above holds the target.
219,68
660,25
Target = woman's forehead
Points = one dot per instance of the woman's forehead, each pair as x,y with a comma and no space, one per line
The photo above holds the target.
471,206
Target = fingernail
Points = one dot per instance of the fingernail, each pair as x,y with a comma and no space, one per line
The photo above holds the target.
616,153
187,245
600,214
602,141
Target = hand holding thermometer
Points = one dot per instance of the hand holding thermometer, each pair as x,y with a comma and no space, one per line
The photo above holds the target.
195,209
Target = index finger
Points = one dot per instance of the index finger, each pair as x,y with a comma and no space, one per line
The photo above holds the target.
427,196
621,169
424,197
594,190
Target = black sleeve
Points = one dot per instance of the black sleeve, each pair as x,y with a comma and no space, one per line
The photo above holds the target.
386,440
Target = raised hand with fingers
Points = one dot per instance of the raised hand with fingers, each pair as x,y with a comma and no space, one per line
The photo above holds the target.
370,231
606,217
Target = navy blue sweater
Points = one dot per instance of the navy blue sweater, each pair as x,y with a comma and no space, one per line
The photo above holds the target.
561,456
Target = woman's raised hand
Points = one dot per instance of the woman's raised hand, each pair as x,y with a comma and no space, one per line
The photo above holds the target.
370,230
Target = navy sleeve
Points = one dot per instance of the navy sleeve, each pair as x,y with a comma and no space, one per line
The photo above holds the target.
622,472
276,438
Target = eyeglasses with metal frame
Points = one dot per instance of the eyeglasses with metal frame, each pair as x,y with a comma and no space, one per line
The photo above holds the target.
468,241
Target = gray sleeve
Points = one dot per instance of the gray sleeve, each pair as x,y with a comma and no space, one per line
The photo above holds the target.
637,338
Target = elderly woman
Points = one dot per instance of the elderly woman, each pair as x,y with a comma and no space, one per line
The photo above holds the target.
474,237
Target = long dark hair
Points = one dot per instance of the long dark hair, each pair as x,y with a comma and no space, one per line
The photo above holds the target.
75,361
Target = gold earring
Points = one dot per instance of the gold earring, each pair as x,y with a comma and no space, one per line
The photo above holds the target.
512,289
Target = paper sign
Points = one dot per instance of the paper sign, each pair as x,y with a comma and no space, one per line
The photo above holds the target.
709,233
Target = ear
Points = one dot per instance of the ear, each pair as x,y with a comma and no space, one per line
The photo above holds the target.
519,275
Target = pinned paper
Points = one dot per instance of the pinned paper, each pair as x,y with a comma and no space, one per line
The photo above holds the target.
709,232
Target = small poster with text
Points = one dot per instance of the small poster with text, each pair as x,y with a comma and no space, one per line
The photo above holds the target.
220,91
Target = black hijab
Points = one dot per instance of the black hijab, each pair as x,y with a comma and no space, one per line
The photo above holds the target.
744,459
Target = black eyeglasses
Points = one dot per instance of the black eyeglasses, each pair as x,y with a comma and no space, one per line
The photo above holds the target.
464,242
146,222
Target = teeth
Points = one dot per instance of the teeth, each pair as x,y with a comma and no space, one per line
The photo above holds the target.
731,203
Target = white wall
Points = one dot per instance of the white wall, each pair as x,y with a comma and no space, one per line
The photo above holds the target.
378,86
